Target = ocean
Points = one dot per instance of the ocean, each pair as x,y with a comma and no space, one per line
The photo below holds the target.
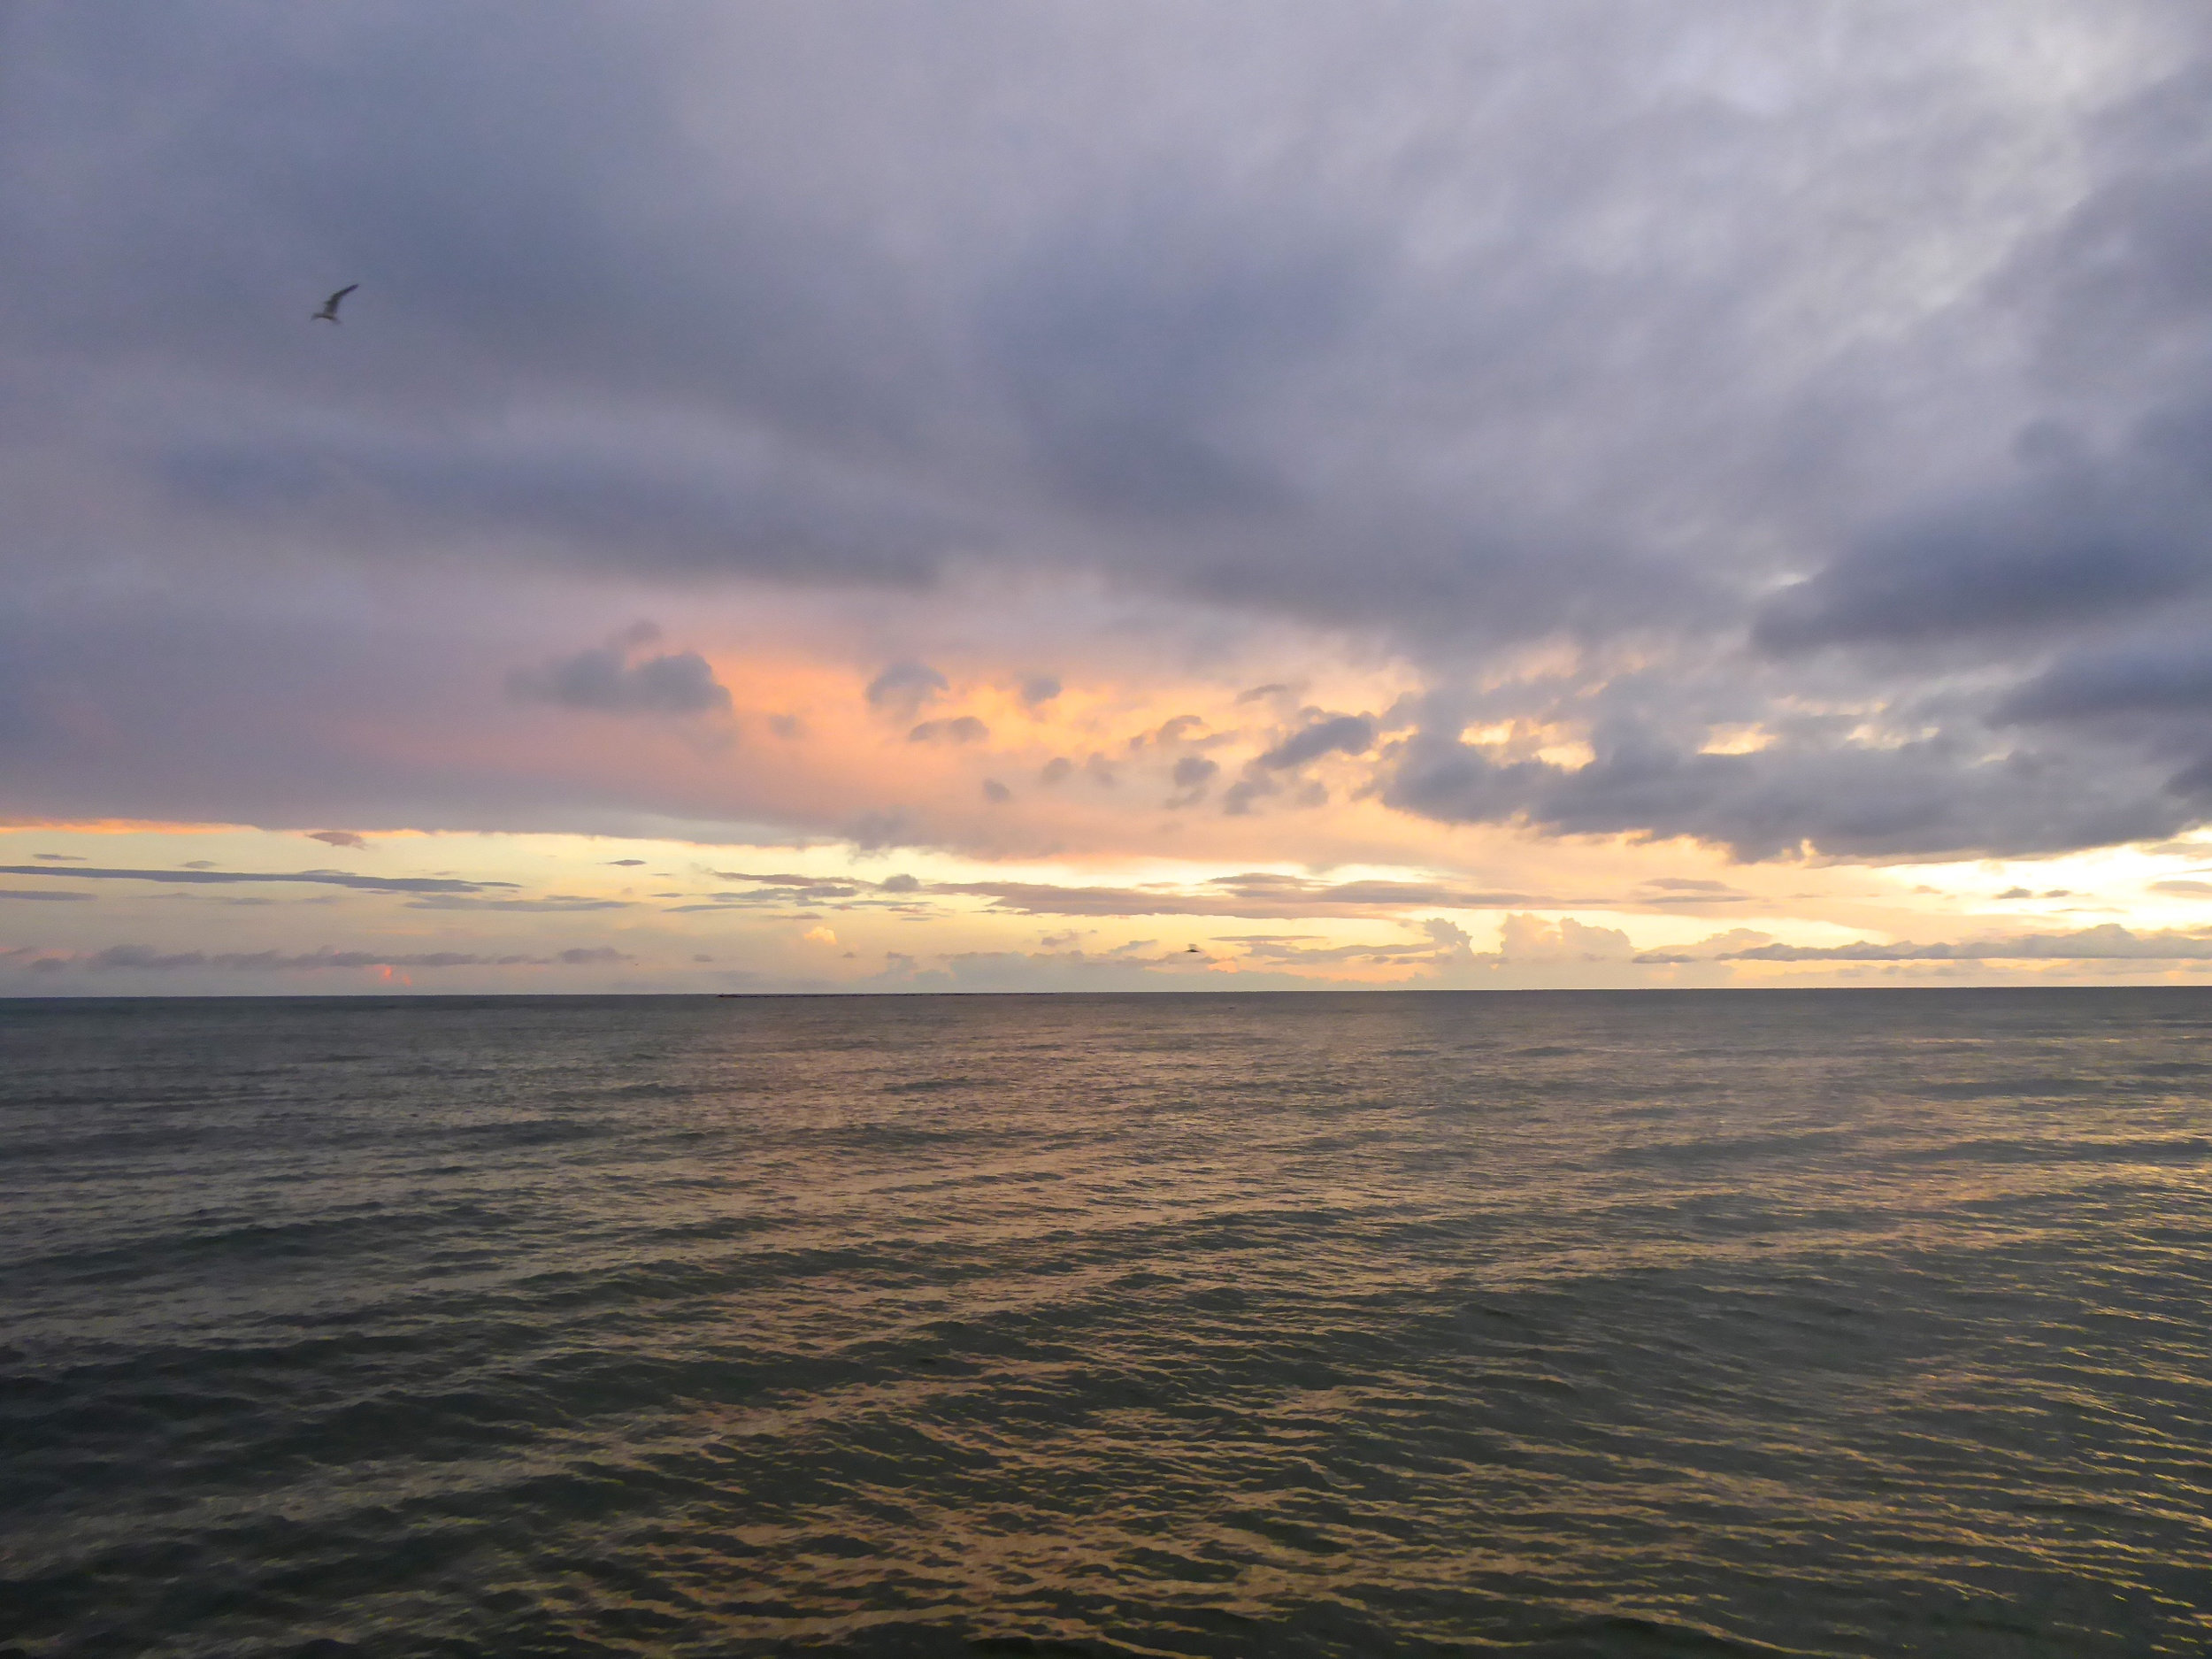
1805,1323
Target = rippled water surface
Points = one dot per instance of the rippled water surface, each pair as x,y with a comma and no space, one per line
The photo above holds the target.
1809,1323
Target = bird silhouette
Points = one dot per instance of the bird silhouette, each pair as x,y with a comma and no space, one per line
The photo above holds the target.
329,312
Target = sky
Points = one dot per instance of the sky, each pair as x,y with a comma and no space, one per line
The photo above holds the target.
1108,496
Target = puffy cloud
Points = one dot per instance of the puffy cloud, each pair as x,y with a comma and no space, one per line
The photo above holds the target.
1333,734
1530,939
1191,775
1455,943
904,687
875,830
614,679
964,728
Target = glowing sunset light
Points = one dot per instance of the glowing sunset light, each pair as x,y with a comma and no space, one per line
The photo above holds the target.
1103,515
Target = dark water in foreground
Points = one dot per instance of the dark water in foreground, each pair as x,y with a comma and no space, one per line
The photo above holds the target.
1850,1323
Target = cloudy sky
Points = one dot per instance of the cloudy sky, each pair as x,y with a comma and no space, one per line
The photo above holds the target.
1104,495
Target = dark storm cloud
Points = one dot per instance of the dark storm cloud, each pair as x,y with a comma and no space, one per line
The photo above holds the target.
1659,329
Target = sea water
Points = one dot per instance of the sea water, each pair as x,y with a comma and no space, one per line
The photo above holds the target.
1838,1323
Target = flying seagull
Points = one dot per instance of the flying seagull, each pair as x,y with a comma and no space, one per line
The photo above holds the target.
329,312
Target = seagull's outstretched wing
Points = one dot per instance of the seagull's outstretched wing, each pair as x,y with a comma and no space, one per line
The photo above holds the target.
329,312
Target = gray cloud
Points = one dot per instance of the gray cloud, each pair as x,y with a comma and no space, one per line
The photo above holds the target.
2108,942
904,688
964,728
876,831
554,903
1916,405
1258,893
774,890
1137,354
1932,797
2060,549
1192,775
1333,734
322,878
615,680
120,958
2169,677
1130,371
338,838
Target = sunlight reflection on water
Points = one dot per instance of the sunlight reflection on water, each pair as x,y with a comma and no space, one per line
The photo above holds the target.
1814,1323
